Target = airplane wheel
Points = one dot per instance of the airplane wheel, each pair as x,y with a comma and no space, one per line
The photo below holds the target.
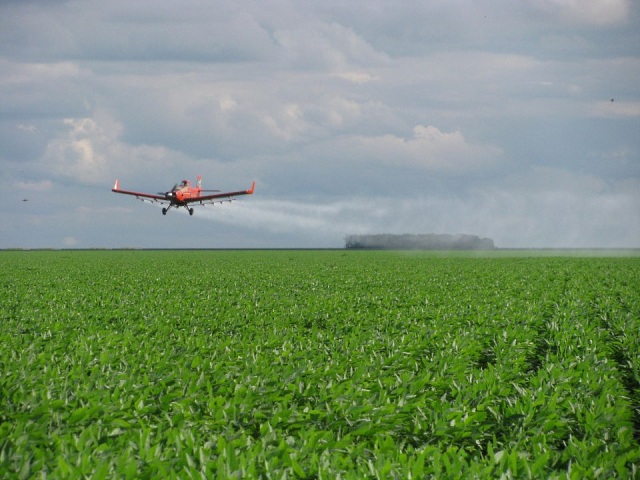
191,211
164,211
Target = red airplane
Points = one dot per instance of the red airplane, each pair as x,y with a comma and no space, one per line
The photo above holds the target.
183,194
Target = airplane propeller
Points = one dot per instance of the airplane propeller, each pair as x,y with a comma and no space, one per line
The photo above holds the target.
168,191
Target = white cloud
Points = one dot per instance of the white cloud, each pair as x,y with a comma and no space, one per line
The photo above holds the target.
429,148
227,103
92,152
83,152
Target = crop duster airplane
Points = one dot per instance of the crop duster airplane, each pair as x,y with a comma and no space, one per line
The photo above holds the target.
184,195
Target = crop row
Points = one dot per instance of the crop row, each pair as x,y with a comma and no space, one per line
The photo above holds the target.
318,364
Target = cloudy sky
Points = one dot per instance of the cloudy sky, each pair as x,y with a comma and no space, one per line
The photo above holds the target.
514,120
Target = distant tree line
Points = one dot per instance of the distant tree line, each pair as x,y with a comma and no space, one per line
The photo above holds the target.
429,241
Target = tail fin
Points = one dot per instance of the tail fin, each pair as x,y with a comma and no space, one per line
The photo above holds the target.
199,181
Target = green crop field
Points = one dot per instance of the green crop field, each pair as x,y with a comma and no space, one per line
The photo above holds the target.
318,364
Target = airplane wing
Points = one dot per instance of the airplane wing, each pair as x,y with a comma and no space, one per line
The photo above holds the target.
218,197
148,197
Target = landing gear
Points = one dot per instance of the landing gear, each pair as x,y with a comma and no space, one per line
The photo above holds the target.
166,209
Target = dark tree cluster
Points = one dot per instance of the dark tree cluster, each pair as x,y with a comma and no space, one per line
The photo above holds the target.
430,241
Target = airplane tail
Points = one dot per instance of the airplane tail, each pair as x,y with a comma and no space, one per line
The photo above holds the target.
199,181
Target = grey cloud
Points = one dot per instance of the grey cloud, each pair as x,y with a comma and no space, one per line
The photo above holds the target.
588,12
488,118
142,31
